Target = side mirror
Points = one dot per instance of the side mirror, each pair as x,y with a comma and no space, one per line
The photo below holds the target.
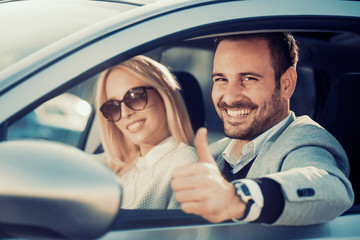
49,190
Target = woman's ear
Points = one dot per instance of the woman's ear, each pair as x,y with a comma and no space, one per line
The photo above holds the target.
288,83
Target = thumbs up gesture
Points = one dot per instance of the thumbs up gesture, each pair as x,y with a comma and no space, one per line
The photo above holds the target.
202,190
202,148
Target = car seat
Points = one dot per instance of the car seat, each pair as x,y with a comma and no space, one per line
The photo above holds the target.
193,98
341,117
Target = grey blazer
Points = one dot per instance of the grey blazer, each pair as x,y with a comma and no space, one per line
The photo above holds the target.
311,167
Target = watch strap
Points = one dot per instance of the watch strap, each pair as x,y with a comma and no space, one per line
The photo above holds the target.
245,196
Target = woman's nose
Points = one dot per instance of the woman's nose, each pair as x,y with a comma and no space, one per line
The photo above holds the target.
126,112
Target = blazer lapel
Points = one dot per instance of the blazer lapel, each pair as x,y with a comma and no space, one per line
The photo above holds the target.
261,161
218,147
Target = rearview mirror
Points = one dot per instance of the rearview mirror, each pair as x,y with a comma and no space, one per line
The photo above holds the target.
53,190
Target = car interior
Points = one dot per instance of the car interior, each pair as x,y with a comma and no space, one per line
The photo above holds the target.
328,78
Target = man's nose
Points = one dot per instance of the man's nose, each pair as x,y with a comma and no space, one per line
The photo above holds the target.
234,92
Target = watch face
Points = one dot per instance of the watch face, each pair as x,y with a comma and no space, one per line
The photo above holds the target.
243,191
245,196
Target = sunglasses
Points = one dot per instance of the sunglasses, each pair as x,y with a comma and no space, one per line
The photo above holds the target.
135,99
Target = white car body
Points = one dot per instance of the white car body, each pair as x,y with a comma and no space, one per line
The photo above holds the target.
108,36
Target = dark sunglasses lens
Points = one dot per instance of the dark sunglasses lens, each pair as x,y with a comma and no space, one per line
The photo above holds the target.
111,110
136,99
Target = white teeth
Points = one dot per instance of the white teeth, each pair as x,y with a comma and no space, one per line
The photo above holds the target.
135,125
238,113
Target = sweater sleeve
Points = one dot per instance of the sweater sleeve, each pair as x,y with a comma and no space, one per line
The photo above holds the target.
273,200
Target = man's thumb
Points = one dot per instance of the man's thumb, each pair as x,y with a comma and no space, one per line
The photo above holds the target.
201,146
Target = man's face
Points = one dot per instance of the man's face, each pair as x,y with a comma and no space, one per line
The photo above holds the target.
244,92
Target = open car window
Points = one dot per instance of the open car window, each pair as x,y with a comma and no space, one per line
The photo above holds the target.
61,119
62,110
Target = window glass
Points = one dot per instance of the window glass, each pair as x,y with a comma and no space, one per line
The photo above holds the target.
62,119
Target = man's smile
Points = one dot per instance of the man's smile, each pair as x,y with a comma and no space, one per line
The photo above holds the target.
238,112
236,109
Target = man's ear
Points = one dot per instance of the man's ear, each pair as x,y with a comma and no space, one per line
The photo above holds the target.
288,83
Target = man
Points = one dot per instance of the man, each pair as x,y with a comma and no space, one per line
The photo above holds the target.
275,168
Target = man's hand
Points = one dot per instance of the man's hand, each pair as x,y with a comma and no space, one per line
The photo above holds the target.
202,190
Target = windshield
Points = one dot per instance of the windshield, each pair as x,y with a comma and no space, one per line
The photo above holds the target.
27,26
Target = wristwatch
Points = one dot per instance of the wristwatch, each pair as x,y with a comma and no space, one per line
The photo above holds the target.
245,196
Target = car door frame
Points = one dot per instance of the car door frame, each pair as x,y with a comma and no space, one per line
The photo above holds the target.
94,50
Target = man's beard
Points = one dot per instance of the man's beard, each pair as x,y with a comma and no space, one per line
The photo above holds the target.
259,124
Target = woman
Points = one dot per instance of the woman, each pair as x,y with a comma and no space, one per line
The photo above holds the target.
145,130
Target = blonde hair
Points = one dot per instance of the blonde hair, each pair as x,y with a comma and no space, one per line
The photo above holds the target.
121,153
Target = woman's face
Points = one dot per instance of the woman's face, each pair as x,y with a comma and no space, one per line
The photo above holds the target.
146,127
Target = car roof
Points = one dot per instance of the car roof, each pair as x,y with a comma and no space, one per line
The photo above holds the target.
24,30
138,13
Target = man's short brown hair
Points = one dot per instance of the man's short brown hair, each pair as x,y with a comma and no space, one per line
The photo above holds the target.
282,45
